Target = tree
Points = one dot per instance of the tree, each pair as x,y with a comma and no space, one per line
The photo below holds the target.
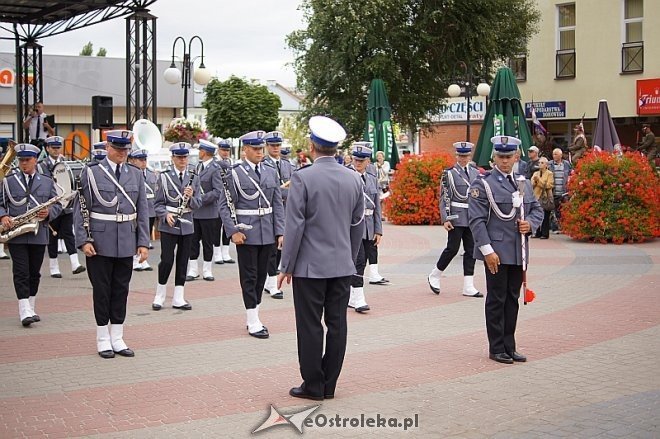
413,45
87,49
295,132
102,52
236,107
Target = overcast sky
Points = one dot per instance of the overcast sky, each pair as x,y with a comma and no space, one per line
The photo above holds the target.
245,38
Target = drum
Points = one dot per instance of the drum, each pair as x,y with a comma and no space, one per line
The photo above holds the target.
64,180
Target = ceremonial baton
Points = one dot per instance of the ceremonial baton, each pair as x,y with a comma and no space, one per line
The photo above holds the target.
528,295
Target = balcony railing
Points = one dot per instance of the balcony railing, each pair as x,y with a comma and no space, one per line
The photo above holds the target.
565,64
632,57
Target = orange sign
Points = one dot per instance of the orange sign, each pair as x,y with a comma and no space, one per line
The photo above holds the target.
77,149
648,97
6,78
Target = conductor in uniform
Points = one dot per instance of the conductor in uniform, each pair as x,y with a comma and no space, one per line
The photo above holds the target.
112,226
257,203
324,229
62,226
22,190
454,217
221,252
138,158
494,218
284,170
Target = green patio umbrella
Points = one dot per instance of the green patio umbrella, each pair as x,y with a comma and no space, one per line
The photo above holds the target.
504,116
379,125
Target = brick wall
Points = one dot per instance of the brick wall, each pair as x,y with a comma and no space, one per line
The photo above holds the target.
443,135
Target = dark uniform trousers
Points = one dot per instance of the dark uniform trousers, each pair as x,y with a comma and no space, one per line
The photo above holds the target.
168,242
225,239
63,225
454,238
367,248
320,370
252,270
502,307
26,260
274,261
207,231
109,278
371,253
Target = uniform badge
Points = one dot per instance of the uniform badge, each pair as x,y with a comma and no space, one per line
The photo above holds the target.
474,192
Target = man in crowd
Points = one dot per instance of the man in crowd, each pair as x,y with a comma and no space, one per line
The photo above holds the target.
648,146
138,158
533,163
221,252
561,169
578,148
37,125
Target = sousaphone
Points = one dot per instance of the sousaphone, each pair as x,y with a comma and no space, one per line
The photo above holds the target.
146,135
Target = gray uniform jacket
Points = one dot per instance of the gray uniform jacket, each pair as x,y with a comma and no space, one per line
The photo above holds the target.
151,183
210,183
372,211
168,199
324,221
13,203
283,173
45,167
488,228
458,204
117,237
247,198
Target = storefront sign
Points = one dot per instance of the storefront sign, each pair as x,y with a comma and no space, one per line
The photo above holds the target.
546,110
648,97
455,110
6,78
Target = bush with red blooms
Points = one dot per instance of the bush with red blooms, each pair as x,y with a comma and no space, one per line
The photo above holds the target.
613,199
415,190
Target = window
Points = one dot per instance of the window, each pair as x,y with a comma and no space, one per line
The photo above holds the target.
632,49
565,58
518,65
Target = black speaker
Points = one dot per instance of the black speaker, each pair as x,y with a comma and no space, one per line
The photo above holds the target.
101,112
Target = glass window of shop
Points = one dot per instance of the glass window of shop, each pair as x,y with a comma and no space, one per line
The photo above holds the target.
561,133
77,143
633,19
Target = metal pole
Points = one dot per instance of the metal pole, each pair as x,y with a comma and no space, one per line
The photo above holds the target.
468,92
186,82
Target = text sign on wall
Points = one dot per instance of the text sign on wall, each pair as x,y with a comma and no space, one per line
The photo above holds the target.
648,97
455,109
546,109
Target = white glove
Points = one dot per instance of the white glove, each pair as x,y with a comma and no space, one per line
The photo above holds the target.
516,199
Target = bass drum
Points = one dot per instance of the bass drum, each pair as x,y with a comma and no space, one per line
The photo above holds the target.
64,181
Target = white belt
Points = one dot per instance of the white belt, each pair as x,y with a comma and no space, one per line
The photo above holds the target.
117,217
150,196
368,212
259,212
457,204
176,209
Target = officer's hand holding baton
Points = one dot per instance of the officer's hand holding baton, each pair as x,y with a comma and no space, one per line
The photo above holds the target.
524,227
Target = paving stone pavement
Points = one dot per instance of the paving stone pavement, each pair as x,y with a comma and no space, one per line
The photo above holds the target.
592,338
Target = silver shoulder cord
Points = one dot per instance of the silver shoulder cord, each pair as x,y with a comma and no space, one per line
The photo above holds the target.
363,209
91,180
456,193
256,185
165,191
493,205
11,199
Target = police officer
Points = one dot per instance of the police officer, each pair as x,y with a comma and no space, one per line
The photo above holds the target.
373,230
62,226
324,229
454,216
207,215
284,170
176,232
22,190
113,227
494,218
98,152
255,191
221,252
138,158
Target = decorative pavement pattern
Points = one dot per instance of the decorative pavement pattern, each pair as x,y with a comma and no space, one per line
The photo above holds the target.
592,337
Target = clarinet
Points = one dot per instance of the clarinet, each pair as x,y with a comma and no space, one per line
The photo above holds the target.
183,204
445,196
83,210
230,201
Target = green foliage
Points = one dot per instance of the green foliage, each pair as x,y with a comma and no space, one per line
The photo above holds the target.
413,45
295,132
87,49
102,52
236,107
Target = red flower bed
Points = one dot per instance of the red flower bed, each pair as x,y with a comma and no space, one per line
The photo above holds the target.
613,199
415,188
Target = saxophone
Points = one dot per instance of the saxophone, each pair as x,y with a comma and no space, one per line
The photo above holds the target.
445,196
29,221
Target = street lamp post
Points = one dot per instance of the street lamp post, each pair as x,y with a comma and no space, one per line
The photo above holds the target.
454,91
173,75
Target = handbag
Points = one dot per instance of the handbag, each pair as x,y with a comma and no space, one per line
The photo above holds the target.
547,202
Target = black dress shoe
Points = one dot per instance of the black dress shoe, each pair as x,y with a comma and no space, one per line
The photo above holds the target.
185,307
515,356
138,269
126,352
27,321
501,358
219,262
381,281
278,295
260,334
545,237
107,354
229,261
209,278
4,257
148,269
79,270
474,295
36,318
191,278
56,276
299,392
156,307
362,309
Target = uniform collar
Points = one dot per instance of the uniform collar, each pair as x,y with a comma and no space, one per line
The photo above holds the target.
206,163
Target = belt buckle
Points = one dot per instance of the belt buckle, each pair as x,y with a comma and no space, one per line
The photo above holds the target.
120,218
262,211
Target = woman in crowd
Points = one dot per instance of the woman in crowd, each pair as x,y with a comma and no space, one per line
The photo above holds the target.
543,183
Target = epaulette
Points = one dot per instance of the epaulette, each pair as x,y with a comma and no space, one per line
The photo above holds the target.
370,172
12,172
236,165
268,163
131,164
93,164
485,174
45,176
303,167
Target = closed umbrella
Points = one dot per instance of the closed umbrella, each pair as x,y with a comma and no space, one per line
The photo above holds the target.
504,116
379,130
605,135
